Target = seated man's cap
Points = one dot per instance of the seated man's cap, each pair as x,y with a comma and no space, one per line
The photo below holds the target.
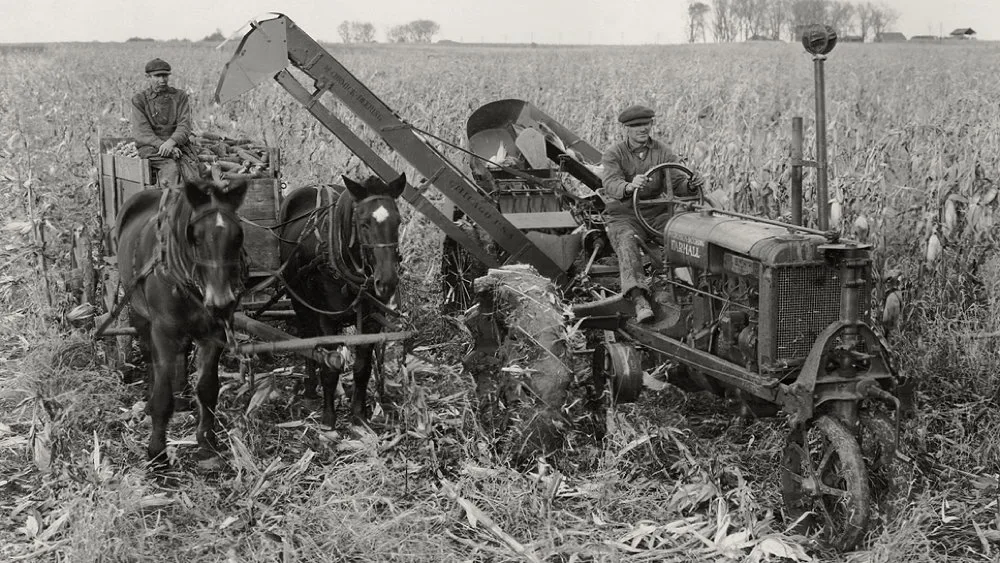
157,65
636,115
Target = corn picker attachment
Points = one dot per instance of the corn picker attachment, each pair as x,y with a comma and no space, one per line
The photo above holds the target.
273,44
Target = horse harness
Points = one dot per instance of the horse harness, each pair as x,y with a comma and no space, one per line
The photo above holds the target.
339,261
170,261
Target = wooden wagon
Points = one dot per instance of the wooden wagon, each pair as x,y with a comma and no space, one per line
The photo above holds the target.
121,176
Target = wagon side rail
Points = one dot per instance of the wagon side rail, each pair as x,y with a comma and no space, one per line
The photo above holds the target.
265,52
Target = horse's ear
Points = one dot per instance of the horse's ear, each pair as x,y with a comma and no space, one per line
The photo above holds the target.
232,196
357,190
197,194
397,186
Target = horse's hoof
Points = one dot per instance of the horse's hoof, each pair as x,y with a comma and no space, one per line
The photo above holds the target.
158,463
209,443
329,419
210,460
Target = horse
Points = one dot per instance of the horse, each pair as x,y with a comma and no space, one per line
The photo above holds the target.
338,256
180,260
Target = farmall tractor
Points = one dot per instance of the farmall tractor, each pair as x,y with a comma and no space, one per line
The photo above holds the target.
774,314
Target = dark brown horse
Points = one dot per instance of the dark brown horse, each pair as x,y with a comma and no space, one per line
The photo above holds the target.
180,258
340,245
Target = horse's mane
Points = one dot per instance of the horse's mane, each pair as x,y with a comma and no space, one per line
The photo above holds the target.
343,239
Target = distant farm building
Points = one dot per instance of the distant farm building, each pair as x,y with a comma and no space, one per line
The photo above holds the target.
963,33
925,38
890,37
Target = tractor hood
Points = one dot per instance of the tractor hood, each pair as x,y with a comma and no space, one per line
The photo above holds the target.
702,239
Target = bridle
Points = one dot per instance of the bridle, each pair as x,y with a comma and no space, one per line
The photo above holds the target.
229,217
368,248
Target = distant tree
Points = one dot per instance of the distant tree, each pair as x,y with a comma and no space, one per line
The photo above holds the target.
748,17
364,32
840,15
398,34
864,18
805,13
723,26
344,31
356,32
882,17
423,31
776,18
417,31
696,21
215,37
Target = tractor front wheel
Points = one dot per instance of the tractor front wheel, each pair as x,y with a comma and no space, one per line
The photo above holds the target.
824,483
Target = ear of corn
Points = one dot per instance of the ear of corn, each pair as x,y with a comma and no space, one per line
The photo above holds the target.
836,213
891,311
933,250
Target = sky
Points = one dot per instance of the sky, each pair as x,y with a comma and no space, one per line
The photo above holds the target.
493,21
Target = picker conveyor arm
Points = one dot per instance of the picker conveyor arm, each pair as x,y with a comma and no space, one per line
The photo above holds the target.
264,53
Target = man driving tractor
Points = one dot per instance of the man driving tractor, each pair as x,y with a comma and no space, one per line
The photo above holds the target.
625,165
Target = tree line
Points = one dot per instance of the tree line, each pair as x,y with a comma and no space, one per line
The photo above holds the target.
417,31
740,20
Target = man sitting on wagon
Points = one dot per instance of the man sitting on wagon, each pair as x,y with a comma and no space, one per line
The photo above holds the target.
625,164
161,126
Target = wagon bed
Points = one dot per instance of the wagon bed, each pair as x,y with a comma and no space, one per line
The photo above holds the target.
122,176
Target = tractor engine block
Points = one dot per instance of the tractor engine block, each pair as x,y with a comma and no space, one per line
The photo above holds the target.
761,293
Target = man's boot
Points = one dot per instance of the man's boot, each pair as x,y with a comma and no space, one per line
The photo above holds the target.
643,312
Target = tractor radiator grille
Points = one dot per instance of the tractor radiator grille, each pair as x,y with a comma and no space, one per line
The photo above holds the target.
808,300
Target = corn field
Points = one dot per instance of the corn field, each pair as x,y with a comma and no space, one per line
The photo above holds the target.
914,134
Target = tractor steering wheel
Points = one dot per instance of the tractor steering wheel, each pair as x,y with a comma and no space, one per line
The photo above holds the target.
670,198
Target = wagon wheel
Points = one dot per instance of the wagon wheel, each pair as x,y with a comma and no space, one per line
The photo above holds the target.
824,482
118,347
456,277
82,262
622,366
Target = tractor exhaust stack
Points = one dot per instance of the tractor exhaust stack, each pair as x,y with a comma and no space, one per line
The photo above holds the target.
819,40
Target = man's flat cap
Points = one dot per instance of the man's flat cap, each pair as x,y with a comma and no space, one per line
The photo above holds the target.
636,115
157,65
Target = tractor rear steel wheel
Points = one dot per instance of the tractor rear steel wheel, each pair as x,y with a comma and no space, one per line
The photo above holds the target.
824,483
622,365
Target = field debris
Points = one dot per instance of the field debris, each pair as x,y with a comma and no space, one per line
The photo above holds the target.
477,517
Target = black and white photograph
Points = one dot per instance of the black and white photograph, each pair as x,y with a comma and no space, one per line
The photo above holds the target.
558,281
